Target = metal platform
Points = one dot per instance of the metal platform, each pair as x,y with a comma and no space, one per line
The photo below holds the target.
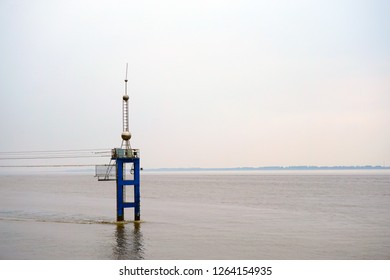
105,172
124,153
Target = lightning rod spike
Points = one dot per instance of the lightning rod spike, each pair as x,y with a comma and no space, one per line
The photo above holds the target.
126,72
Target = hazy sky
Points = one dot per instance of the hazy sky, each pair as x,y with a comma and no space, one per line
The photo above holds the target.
212,83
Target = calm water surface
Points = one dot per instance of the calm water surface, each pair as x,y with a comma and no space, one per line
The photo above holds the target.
225,215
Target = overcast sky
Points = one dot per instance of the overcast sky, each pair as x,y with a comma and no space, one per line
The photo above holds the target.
212,83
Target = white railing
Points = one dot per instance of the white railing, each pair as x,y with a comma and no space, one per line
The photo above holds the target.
105,172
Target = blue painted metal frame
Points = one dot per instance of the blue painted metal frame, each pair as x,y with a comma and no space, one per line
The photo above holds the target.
121,204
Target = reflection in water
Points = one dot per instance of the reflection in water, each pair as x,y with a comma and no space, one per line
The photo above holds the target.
129,242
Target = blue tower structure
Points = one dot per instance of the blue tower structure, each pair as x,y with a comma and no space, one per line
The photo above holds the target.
123,157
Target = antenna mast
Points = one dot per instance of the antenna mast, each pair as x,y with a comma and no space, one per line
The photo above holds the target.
126,135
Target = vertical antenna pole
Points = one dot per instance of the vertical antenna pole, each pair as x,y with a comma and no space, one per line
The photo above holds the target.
126,79
126,135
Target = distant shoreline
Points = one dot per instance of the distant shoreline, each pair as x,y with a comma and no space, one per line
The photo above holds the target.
269,168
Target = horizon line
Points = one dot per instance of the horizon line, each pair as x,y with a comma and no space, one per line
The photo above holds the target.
276,167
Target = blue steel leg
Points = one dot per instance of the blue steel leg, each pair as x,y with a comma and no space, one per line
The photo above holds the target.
137,199
137,210
120,216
